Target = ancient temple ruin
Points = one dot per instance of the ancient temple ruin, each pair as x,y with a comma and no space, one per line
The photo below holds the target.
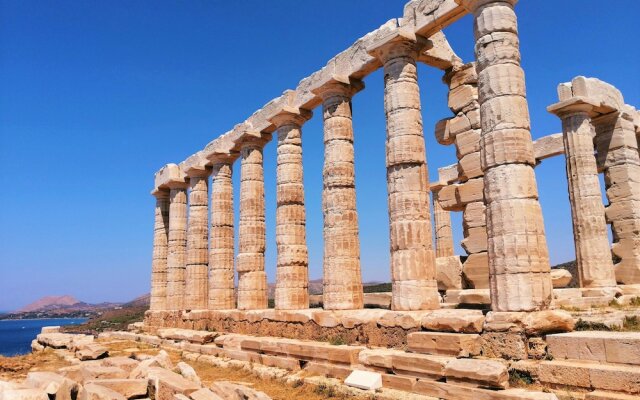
506,268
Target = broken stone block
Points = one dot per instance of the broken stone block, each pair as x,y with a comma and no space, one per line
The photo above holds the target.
53,384
188,372
467,321
23,394
474,372
91,351
449,272
129,388
560,278
365,380
163,384
475,271
189,335
204,394
234,391
99,392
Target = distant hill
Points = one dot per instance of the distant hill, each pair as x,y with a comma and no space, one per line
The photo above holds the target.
49,303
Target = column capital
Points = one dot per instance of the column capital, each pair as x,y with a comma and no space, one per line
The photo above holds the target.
473,5
217,159
254,141
290,116
572,106
160,194
195,166
397,43
171,176
338,86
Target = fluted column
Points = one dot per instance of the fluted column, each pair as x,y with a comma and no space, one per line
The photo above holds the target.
221,248
593,254
342,279
158,299
196,286
444,234
252,279
620,160
292,275
517,248
413,264
177,247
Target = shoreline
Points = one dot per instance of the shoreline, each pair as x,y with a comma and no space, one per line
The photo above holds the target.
38,319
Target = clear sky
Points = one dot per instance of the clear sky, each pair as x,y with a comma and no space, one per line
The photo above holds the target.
96,96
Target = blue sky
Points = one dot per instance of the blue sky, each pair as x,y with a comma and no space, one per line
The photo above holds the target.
96,96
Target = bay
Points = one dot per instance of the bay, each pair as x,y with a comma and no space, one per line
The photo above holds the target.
16,334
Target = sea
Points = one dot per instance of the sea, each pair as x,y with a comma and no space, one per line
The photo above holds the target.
16,334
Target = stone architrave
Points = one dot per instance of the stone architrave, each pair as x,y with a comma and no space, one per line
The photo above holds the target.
292,275
252,279
517,247
158,299
196,277
443,232
413,267
617,146
221,246
593,254
342,279
177,247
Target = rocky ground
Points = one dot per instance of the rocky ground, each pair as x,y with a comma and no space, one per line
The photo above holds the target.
67,366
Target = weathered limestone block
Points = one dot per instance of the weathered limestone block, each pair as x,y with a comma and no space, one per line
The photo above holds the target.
461,97
442,132
55,385
474,215
365,380
611,347
233,391
292,275
474,296
158,300
23,394
252,279
443,232
469,166
470,191
560,278
482,373
505,345
412,254
475,271
548,146
196,277
194,336
128,388
91,351
464,321
475,240
449,272
221,249
164,384
593,257
450,344
177,246
468,142
92,391
342,280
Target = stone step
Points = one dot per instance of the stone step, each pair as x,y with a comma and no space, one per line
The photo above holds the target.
448,344
589,375
610,347
472,372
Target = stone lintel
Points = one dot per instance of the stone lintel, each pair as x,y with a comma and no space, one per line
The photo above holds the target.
429,17
171,176
196,165
579,104
448,174
548,146
288,112
338,85
473,5
439,54
160,193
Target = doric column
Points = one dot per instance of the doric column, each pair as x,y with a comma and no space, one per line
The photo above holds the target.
160,240
196,286
413,268
517,247
252,279
176,257
292,275
444,234
221,247
593,254
342,279
618,155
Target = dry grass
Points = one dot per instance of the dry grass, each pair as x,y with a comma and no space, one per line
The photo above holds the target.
16,368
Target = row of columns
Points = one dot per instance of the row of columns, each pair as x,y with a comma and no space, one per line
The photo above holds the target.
517,249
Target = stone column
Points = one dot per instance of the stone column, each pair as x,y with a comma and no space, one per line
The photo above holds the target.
593,254
160,240
444,234
221,249
292,275
413,264
342,280
196,286
618,155
252,280
517,247
177,248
